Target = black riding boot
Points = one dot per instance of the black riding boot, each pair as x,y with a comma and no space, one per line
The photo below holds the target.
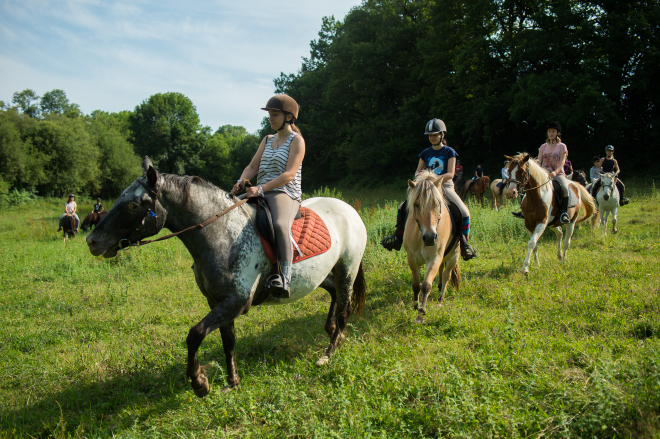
467,252
622,200
395,241
518,214
564,218
278,284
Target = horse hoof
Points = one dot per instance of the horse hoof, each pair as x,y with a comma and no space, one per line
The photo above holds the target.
419,320
225,389
201,386
615,231
323,361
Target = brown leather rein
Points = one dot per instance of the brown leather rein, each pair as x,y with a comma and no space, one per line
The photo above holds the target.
155,196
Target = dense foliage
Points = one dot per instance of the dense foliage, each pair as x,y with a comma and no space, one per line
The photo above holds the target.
50,148
495,70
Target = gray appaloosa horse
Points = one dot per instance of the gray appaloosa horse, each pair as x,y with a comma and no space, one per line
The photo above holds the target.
230,265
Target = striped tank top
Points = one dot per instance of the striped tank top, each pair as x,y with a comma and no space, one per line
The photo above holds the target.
273,164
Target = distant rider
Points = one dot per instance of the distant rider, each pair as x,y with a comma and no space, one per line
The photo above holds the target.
505,177
594,172
98,207
70,208
609,164
278,162
440,159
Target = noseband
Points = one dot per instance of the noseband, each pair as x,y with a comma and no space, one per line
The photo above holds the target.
125,243
521,184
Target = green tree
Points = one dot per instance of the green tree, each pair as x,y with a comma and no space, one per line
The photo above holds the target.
54,102
25,100
166,128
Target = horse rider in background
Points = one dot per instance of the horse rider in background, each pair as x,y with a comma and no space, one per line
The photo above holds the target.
70,208
609,164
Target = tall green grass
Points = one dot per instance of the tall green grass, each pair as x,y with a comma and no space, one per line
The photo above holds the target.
96,348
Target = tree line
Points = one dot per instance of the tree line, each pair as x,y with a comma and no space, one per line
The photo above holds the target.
49,147
496,71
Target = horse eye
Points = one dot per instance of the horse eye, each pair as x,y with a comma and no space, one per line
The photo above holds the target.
133,205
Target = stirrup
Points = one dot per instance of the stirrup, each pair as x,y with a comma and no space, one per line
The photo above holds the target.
564,218
467,252
518,214
275,285
392,242
624,201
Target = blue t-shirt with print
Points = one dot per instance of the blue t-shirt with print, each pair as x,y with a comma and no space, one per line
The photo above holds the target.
437,160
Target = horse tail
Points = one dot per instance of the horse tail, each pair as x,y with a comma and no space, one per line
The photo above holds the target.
359,297
587,203
455,278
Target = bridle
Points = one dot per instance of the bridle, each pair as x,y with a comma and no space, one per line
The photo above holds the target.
436,225
155,195
521,184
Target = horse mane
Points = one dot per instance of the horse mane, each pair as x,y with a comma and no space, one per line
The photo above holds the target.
534,170
184,182
425,193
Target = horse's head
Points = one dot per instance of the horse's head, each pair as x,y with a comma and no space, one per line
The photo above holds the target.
136,215
486,181
87,221
425,202
607,182
580,176
517,174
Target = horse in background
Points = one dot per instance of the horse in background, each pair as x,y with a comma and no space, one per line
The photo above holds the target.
608,201
476,187
428,240
541,208
68,227
93,219
497,193
579,176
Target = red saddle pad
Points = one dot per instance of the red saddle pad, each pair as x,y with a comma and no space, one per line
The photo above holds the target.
309,232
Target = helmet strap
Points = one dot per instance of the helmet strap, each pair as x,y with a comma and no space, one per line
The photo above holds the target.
285,121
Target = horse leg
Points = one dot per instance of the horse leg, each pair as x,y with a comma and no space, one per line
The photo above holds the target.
229,346
536,255
570,227
446,275
560,235
343,281
603,222
416,278
432,268
538,231
329,285
614,213
220,315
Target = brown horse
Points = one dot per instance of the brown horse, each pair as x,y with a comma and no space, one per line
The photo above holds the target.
69,227
476,187
541,208
428,240
93,219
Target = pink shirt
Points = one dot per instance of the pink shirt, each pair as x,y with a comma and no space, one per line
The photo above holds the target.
551,155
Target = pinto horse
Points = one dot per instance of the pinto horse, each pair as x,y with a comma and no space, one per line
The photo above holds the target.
93,219
476,187
428,241
230,264
541,208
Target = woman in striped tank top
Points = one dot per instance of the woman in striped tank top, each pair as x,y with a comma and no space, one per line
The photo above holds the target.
278,165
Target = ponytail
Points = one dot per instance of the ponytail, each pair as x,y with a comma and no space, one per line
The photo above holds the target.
295,128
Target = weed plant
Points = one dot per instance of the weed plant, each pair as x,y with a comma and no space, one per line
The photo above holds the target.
96,348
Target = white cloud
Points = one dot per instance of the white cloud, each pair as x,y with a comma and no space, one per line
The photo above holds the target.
111,56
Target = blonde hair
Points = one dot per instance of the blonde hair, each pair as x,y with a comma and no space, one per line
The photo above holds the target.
425,192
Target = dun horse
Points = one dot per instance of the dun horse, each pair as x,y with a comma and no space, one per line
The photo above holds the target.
496,194
428,241
476,187
541,208
230,265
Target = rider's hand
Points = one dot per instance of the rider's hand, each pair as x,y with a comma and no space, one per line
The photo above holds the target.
238,187
252,191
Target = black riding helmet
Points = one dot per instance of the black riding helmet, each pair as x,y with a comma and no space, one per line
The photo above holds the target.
554,125
435,126
609,148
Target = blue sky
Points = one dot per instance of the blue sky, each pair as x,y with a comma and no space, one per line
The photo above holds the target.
112,55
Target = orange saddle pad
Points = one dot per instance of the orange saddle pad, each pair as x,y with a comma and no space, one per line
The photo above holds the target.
309,232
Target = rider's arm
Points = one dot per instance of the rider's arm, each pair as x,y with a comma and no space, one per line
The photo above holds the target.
560,165
616,167
252,169
451,167
296,155
600,165
420,166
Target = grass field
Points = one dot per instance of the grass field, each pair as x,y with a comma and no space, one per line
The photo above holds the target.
96,348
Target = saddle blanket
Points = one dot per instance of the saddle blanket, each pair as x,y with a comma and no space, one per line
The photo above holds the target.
310,237
572,198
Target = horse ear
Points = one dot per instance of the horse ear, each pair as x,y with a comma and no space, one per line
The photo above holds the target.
412,184
438,182
152,177
525,159
508,158
146,163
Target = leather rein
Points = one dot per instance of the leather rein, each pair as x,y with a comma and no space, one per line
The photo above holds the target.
521,184
154,197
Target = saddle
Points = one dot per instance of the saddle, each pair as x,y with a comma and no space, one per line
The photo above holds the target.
310,235
456,224
572,198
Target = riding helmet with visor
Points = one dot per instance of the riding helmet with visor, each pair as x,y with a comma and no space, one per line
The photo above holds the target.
71,195
435,126
286,104
609,148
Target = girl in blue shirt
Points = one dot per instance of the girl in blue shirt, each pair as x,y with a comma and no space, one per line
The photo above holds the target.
440,159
